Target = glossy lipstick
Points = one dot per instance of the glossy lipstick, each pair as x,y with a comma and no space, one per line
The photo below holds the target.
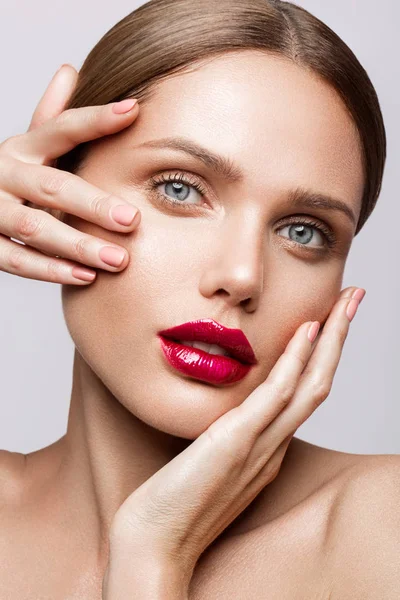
197,363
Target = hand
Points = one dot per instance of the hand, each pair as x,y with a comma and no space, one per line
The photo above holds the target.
27,177
170,520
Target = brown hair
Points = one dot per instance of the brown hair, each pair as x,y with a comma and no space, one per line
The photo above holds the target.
163,37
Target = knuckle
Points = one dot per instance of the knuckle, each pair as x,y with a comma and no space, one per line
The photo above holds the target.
269,468
64,118
220,434
63,123
97,205
52,271
272,469
320,390
284,390
27,224
80,249
223,436
16,259
52,184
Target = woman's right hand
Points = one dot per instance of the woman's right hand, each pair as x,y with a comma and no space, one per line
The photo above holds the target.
51,250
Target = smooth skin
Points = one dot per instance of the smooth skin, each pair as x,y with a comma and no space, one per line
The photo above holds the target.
131,426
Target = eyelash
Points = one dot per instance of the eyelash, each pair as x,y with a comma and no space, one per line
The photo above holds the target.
180,177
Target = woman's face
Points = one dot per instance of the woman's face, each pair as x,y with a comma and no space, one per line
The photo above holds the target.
229,252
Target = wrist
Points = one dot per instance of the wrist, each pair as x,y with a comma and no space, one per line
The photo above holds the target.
145,580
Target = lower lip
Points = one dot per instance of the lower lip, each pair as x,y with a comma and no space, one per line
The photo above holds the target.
212,368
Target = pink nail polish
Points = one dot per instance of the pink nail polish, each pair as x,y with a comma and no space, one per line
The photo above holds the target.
123,214
83,274
124,106
359,295
112,256
313,331
352,309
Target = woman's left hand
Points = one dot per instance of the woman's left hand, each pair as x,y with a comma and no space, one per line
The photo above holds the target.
162,528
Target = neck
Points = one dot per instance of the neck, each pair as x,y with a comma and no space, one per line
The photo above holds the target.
108,452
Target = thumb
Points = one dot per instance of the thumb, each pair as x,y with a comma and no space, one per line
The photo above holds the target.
56,96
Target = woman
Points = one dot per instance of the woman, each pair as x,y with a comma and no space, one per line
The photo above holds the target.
254,155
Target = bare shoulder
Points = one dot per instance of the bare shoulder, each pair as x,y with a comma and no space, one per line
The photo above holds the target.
369,486
281,541
363,541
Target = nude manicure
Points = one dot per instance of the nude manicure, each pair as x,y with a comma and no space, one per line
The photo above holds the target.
359,295
123,214
352,308
313,331
112,256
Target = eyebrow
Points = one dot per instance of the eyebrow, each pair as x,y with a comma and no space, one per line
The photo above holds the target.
227,169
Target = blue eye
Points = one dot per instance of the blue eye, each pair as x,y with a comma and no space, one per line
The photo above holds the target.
301,228
177,185
302,232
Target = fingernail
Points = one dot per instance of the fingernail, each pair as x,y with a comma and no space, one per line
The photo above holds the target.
112,256
352,308
123,214
313,331
124,106
359,295
83,274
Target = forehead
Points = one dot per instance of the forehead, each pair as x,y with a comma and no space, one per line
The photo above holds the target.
282,124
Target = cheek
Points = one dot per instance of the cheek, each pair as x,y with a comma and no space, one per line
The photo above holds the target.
303,294
108,316
114,321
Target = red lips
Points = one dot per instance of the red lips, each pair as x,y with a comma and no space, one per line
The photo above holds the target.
211,332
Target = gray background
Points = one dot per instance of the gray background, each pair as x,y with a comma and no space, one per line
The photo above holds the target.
361,414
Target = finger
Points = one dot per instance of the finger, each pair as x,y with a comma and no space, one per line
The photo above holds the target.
21,260
59,135
56,96
262,406
234,434
247,422
41,230
61,190
9,197
316,381
284,401
297,394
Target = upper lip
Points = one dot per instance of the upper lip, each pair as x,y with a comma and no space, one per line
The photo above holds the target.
211,332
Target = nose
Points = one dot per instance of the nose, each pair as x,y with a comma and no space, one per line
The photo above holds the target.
235,268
